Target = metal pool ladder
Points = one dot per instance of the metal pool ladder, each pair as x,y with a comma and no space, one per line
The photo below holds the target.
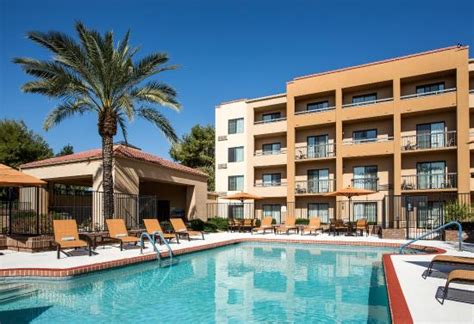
153,242
434,231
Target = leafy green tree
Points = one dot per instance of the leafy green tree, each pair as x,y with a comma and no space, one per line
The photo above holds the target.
20,145
66,150
94,75
196,150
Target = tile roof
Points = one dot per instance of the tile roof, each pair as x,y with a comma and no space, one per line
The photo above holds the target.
119,150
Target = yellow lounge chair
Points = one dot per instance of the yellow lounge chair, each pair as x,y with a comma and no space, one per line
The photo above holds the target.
66,236
118,232
248,224
448,259
180,229
361,226
459,276
313,226
265,225
152,226
290,225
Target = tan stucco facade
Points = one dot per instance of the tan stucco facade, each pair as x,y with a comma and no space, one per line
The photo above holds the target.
395,113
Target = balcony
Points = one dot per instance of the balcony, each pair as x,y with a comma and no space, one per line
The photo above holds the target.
429,141
368,147
373,108
270,158
316,152
366,103
419,102
367,184
471,98
315,187
276,125
314,111
422,182
270,189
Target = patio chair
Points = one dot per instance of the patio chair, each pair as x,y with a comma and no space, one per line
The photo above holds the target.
233,225
180,229
290,225
361,225
459,276
265,225
153,227
248,224
118,232
66,236
337,226
313,226
448,259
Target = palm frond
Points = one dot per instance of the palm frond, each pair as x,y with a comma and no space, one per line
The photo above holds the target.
66,110
157,93
160,121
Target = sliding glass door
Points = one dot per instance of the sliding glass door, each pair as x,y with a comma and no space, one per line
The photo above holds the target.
318,180
430,135
318,146
430,175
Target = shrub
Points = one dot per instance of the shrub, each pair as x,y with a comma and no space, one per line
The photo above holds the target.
456,211
221,224
302,221
197,224
210,227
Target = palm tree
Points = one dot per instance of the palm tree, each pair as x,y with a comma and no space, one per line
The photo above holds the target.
93,75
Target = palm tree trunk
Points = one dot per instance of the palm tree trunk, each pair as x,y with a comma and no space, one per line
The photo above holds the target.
107,178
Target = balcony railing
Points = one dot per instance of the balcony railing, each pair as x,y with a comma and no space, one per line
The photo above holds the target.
471,90
351,141
365,103
315,186
272,152
429,181
311,111
366,183
427,141
315,151
274,120
261,183
430,93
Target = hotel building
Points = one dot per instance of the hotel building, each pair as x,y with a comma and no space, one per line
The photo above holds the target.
399,127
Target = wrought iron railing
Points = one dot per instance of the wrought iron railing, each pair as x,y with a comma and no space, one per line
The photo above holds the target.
266,121
276,183
430,93
429,181
427,141
365,103
352,141
313,111
315,151
366,183
315,186
269,152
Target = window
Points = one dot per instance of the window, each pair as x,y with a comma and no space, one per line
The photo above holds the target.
236,183
236,154
362,136
365,177
273,210
266,118
318,146
273,148
429,214
318,181
364,98
431,175
318,106
427,88
430,135
236,126
366,210
271,179
236,211
320,210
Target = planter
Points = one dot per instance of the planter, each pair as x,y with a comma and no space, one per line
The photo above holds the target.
452,235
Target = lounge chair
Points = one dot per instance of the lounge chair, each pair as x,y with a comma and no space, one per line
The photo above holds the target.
118,232
290,225
265,225
180,229
66,236
360,226
248,224
152,226
313,226
233,225
459,276
448,259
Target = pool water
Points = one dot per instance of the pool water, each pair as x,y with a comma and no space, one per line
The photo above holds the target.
247,282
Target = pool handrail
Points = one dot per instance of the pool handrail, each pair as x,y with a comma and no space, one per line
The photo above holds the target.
152,239
434,231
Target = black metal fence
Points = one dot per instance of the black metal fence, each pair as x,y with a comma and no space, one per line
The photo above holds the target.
31,211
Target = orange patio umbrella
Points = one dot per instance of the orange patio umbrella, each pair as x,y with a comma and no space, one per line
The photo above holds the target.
10,177
350,192
242,196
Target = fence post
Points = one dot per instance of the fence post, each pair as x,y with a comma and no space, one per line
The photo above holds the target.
37,212
10,211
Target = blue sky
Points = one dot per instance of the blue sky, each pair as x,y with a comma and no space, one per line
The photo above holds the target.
226,49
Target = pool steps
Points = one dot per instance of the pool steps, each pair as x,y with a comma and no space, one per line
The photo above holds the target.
10,292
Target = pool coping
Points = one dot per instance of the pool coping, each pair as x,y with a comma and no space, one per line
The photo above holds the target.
399,310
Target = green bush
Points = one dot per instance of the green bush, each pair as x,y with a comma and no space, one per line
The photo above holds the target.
221,224
197,224
302,221
456,211
210,227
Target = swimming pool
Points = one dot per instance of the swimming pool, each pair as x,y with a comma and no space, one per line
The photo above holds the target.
246,282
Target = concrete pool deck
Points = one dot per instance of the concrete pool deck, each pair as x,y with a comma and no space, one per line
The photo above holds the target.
419,293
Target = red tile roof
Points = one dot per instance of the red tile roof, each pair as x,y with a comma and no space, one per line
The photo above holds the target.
120,151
